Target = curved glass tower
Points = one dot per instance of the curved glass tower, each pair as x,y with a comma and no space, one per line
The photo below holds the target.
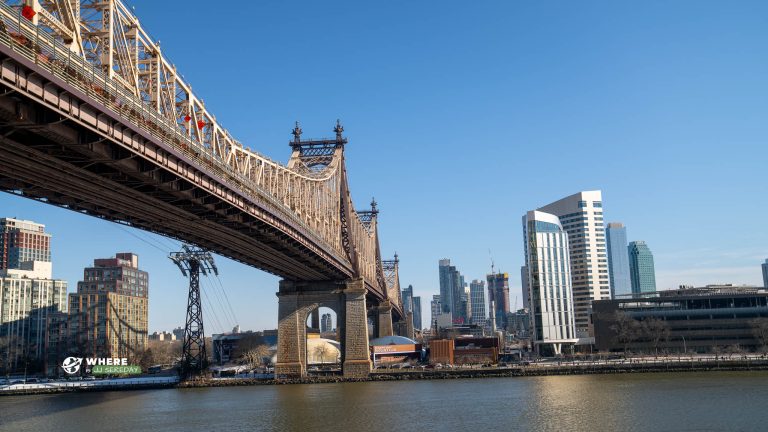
641,269
549,282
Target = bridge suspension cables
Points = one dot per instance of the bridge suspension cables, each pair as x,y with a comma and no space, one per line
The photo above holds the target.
192,261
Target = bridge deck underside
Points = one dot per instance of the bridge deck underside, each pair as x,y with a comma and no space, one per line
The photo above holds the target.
57,159
112,170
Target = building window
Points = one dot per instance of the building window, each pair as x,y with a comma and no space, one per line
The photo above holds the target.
597,204
582,204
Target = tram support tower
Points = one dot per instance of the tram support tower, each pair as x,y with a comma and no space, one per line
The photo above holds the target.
192,261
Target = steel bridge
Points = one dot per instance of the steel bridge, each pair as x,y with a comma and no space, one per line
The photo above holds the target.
94,118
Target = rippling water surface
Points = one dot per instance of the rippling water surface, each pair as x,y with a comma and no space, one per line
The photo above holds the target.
731,401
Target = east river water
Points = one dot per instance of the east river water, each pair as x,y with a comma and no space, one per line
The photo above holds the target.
714,401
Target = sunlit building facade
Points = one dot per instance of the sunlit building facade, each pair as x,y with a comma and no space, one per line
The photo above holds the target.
549,282
23,241
581,216
25,306
109,311
477,302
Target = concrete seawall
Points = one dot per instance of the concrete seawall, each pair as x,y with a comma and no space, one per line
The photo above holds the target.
584,369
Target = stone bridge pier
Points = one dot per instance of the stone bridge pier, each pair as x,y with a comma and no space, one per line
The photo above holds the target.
385,319
297,300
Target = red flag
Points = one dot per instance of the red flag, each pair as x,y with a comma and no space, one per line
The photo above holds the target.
27,12
187,118
200,124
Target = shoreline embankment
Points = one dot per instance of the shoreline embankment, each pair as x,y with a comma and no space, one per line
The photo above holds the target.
724,365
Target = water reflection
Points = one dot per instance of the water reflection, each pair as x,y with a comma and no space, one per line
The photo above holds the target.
708,401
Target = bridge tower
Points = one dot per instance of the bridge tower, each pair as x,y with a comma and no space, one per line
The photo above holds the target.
192,261
300,299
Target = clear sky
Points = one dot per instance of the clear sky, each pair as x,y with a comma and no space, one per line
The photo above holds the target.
463,115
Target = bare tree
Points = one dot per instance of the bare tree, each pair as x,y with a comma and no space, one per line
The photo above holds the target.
760,331
163,352
247,342
321,351
147,359
254,356
734,349
655,330
626,329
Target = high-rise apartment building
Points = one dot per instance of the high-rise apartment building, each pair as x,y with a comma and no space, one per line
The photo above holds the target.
452,296
765,273
108,314
417,313
436,309
618,259
326,324
498,294
477,302
26,303
22,242
641,269
549,281
28,294
581,216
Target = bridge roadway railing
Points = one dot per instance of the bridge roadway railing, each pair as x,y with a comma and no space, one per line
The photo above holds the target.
26,39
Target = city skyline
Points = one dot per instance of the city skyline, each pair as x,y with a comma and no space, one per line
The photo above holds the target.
532,96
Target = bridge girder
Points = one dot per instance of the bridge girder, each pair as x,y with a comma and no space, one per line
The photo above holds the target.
62,111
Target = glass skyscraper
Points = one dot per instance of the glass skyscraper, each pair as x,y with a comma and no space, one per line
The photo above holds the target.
417,313
641,269
765,274
498,292
477,301
618,259
412,304
407,296
549,281
452,298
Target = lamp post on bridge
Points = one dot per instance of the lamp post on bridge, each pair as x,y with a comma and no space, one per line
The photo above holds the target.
192,261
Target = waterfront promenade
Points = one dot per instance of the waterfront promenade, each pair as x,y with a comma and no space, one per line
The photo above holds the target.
542,368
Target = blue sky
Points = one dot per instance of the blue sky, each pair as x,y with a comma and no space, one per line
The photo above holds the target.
463,115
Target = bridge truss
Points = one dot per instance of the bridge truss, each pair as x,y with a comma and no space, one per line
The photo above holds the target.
100,49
